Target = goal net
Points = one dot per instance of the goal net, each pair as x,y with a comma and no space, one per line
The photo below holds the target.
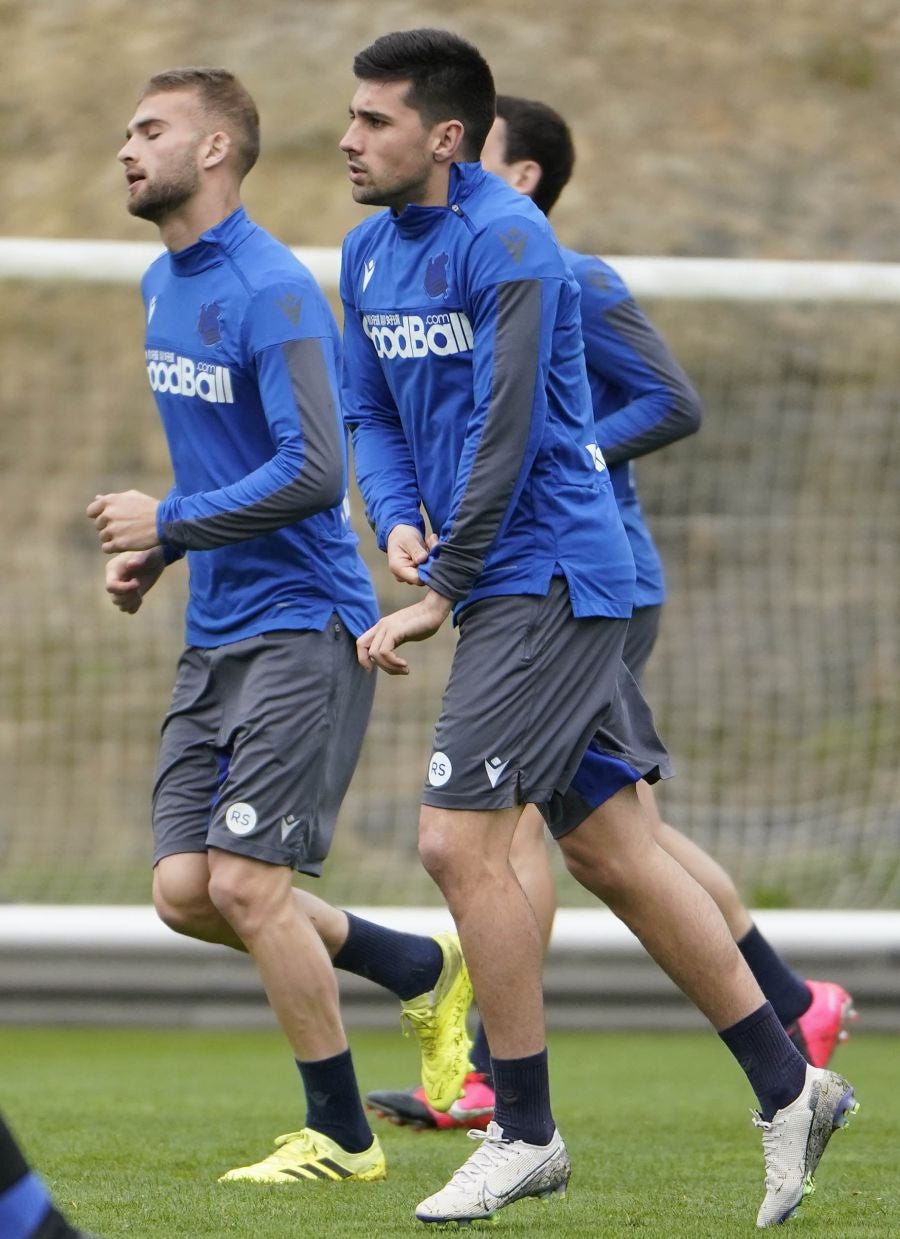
776,680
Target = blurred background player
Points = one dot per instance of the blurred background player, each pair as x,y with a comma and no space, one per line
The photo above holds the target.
270,703
642,401
26,1209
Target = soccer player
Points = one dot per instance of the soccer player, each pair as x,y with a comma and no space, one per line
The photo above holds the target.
270,703
642,401
26,1209
466,390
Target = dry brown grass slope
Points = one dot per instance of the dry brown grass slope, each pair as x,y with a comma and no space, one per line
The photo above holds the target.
770,128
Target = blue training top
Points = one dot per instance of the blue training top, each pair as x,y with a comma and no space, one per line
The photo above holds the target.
243,357
466,390
642,400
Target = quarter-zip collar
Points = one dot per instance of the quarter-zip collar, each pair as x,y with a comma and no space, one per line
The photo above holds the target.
212,246
465,178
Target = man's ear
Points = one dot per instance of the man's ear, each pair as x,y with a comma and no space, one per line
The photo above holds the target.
527,176
447,138
216,148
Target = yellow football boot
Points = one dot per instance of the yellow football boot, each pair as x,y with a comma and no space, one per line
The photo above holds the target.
308,1155
438,1022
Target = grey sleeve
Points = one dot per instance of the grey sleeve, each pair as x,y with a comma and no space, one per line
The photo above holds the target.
662,407
504,441
305,474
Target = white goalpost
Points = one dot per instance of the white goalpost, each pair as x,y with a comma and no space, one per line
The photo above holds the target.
683,279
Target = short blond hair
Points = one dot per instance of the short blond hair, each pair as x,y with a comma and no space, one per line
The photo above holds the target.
224,99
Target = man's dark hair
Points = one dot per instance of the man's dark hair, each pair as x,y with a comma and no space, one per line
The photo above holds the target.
223,99
449,79
535,131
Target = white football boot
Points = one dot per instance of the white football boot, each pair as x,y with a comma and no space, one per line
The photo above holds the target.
795,1139
499,1172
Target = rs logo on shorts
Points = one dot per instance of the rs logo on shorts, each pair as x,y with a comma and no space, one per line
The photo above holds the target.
240,818
439,769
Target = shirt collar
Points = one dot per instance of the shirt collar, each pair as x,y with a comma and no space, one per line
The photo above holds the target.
464,180
211,246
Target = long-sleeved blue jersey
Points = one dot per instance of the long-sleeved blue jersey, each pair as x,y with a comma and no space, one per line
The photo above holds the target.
466,390
243,356
642,400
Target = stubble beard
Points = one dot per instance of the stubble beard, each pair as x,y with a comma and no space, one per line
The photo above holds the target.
396,196
158,201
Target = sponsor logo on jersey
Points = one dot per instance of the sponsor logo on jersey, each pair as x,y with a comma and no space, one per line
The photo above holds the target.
493,768
181,376
439,769
593,450
151,309
418,335
208,324
368,272
436,282
240,818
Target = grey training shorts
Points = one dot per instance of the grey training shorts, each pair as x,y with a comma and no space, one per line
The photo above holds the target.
540,708
643,629
259,746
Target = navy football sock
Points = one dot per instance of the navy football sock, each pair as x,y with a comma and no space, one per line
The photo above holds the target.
522,1098
772,1063
405,964
333,1104
480,1054
788,993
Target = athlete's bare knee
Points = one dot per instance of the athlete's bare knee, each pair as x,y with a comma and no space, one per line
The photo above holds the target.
230,899
438,857
181,895
603,873
248,894
447,858
189,913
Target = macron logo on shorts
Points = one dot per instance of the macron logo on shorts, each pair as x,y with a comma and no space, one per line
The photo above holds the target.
494,768
288,824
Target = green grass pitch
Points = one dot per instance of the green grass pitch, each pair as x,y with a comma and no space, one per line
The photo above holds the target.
131,1129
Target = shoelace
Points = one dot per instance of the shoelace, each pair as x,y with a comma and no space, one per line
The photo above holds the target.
772,1133
423,1023
494,1152
290,1145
